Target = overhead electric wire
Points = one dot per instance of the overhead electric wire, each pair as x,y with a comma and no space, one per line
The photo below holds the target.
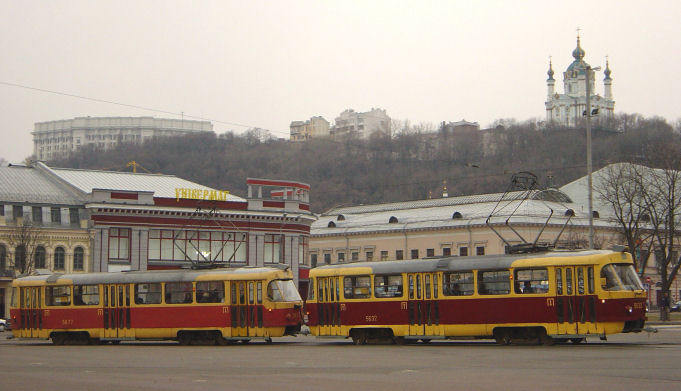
180,114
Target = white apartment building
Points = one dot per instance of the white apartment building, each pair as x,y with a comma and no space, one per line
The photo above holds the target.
315,127
361,124
56,139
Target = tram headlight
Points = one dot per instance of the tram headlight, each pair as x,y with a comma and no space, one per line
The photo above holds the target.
602,301
629,309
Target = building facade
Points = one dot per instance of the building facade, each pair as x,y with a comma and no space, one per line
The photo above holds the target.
57,139
568,109
362,125
315,127
102,221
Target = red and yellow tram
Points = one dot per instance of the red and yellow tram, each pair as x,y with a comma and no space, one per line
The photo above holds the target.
191,306
541,298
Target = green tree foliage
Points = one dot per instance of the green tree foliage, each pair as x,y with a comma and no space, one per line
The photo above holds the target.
412,164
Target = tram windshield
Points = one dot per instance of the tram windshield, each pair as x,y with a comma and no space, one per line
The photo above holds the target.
620,277
283,290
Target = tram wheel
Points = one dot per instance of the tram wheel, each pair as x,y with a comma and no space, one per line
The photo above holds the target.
577,340
544,339
359,337
58,339
425,340
503,337
184,339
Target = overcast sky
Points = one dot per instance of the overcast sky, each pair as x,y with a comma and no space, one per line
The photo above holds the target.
267,63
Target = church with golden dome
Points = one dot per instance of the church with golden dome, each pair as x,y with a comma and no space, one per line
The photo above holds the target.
569,108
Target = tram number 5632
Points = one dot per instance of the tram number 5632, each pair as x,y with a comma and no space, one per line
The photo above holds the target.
371,318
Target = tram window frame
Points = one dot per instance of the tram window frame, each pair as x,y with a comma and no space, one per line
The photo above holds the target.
426,286
58,296
465,282
352,289
492,282
152,293
568,281
580,281
179,292
591,280
311,289
559,281
538,279
210,292
85,295
388,286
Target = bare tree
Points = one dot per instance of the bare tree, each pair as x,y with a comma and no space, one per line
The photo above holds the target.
621,187
23,238
662,198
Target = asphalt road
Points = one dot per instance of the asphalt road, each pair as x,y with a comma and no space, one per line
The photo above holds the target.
646,361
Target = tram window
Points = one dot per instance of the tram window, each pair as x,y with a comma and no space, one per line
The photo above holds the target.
178,292
411,286
15,298
283,290
57,295
616,277
210,292
435,286
147,293
531,281
590,277
427,286
310,290
320,286
559,282
233,295
86,294
388,286
332,289
568,281
418,286
259,292
494,283
251,296
580,281
457,284
357,287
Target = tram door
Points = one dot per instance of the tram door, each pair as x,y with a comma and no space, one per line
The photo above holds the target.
31,315
116,312
328,305
575,309
246,308
423,308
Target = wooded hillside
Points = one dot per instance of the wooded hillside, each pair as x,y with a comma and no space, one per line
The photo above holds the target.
409,165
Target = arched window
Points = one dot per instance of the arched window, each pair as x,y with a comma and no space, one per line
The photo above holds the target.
20,258
331,224
39,258
3,257
457,215
78,255
569,213
59,258
393,220
596,215
340,218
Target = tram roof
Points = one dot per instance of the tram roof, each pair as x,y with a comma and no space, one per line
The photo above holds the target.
149,276
488,262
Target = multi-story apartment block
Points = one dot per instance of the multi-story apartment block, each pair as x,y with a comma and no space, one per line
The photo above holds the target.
56,139
362,125
315,127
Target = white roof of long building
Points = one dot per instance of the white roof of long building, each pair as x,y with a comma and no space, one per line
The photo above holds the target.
161,185
446,213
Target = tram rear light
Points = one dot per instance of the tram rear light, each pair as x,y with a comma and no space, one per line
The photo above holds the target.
269,310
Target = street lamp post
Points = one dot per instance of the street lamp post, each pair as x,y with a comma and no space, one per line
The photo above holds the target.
589,166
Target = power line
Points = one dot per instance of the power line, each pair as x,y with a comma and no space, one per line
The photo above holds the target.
181,114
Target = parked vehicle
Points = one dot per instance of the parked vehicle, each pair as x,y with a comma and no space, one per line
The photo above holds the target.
3,325
676,307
